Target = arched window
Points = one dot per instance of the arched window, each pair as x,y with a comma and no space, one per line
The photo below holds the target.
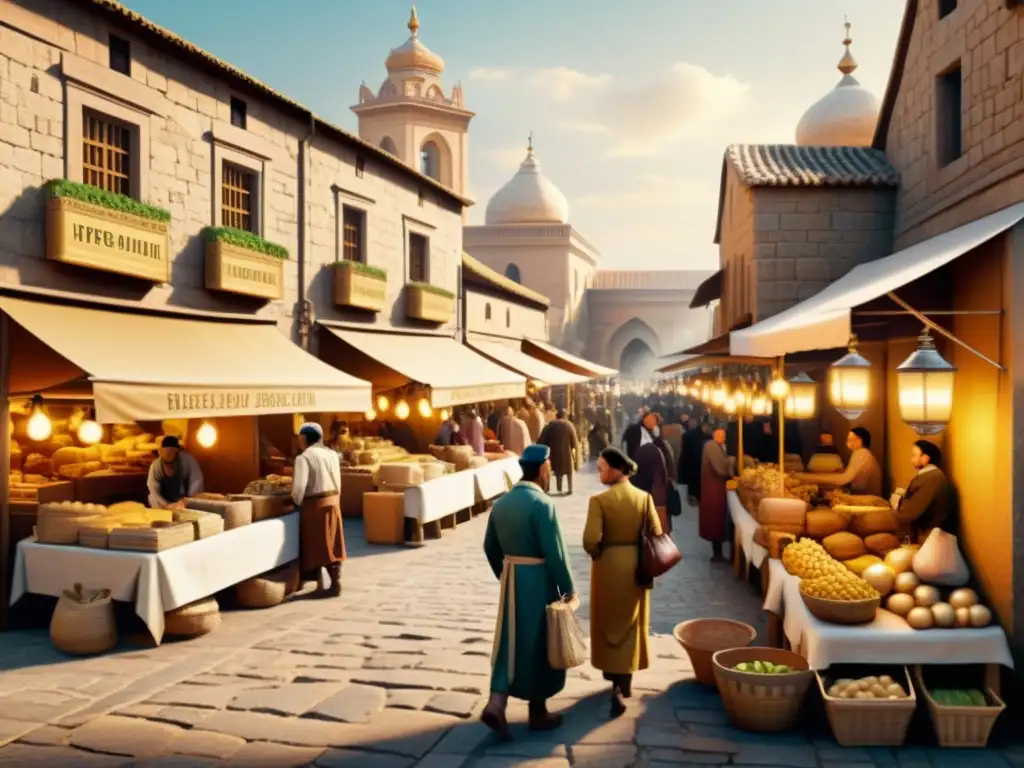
430,161
389,146
487,311
508,318
512,273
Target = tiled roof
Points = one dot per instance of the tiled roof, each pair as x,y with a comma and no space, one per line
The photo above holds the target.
786,165
145,25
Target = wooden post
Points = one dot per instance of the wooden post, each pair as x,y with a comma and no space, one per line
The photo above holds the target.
782,432
5,465
739,444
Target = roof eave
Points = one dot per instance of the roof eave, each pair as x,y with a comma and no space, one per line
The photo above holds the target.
892,88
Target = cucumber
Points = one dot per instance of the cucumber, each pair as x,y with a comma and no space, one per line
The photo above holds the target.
942,697
977,698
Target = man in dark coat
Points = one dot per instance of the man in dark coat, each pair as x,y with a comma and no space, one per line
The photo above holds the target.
560,436
651,474
693,447
632,434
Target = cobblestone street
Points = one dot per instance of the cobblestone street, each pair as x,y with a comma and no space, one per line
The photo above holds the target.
393,675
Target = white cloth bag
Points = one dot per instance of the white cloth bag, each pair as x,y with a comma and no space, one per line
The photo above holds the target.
940,562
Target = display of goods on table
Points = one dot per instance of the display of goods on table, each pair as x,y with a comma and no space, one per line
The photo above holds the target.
830,590
762,689
59,459
872,711
95,525
370,451
764,481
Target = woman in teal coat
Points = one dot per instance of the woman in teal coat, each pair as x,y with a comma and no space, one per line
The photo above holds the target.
525,549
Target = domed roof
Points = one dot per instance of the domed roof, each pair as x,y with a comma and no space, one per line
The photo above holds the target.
412,54
528,198
844,117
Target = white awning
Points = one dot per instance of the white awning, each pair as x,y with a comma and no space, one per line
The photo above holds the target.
150,367
561,359
824,321
455,374
510,354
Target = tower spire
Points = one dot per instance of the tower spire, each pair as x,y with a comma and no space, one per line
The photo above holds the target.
529,143
847,64
414,22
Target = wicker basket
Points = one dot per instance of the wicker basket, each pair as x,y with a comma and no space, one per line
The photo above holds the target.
703,638
269,589
756,702
869,722
842,611
83,622
961,726
194,619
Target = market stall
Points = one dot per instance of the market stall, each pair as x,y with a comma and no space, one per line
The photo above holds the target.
745,548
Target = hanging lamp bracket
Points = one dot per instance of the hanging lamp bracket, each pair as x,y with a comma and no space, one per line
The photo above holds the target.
942,331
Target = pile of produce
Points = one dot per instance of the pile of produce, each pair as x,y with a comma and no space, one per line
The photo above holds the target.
959,698
270,485
871,687
763,481
822,575
763,668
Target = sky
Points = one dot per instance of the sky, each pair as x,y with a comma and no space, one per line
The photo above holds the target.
631,104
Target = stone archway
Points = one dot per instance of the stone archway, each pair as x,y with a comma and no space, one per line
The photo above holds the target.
637,360
626,336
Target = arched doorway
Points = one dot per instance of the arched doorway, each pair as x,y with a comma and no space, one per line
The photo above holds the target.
389,146
637,360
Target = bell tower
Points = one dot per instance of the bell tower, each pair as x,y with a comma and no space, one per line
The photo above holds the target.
411,117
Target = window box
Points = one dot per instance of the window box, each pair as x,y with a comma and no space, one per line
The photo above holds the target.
359,286
429,303
243,263
90,227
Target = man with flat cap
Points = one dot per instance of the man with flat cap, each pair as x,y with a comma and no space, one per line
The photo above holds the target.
173,476
316,485
525,550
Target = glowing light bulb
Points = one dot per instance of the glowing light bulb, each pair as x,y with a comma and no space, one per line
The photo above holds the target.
444,414
39,427
206,435
423,406
718,396
779,389
383,404
730,404
370,415
89,432
402,410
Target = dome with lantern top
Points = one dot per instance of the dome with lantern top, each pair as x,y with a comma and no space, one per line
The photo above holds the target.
528,198
844,117
413,54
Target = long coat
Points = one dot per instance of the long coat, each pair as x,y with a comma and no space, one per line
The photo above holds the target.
620,610
693,452
514,434
523,524
560,437
713,521
534,418
652,476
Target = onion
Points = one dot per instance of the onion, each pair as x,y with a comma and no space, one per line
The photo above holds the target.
926,596
881,577
907,582
921,618
900,604
944,615
900,560
963,617
980,616
963,598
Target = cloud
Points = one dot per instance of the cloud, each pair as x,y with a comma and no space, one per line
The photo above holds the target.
653,190
490,74
581,126
505,158
564,83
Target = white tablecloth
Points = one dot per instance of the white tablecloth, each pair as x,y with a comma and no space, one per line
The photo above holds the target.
162,581
887,638
441,496
511,468
491,481
745,525
777,574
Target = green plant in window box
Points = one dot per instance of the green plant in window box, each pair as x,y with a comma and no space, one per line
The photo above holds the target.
429,303
359,286
86,193
242,239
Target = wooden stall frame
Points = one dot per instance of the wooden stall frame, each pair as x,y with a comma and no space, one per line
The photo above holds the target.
5,459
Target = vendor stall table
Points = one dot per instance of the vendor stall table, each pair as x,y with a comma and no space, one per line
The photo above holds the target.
161,581
511,468
888,638
491,481
436,502
746,552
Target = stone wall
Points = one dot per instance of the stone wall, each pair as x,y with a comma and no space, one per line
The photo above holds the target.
489,314
805,238
987,39
736,253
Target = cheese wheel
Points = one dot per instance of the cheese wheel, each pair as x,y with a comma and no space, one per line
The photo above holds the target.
787,512
407,473
844,546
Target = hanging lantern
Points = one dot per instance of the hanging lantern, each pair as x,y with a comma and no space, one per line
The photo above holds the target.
849,383
718,395
444,414
370,415
760,405
741,398
779,388
206,435
925,384
705,393
402,410
39,427
89,432
383,404
802,401
730,405
423,406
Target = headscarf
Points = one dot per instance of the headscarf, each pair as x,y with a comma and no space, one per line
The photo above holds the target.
616,459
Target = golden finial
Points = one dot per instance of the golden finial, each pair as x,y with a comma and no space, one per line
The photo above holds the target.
847,64
414,22
529,143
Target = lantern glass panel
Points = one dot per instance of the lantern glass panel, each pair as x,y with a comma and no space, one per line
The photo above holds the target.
850,390
926,399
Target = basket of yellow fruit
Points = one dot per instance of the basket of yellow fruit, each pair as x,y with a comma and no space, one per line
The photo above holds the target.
840,598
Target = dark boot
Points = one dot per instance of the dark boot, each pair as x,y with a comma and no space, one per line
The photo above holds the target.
493,716
334,590
618,702
716,552
542,720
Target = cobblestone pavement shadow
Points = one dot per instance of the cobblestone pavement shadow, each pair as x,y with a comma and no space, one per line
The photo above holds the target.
394,674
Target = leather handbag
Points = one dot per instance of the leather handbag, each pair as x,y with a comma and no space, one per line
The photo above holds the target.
657,555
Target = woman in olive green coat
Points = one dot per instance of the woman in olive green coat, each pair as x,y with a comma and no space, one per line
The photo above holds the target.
619,608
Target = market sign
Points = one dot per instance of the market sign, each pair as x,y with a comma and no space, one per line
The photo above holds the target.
95,237
441,397
239,270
